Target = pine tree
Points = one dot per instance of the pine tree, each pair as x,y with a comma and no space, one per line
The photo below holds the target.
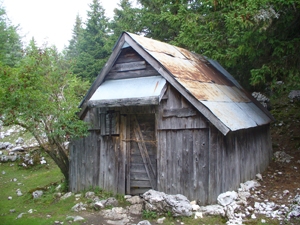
93,47
10,41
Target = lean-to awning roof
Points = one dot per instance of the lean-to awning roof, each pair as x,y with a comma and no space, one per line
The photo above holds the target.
125,92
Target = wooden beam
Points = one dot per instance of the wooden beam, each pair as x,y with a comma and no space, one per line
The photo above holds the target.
121,67
114,75
182,112
124,102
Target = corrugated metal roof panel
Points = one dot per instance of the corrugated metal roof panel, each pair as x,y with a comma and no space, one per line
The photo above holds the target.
231,114
129,88
180,68
255,113
208,82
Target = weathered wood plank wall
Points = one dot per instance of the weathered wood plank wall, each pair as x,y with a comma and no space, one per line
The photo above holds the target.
196,160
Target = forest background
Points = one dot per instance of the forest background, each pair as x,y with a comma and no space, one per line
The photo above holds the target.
257,41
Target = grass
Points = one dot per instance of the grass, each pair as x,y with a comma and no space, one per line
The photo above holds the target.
42,177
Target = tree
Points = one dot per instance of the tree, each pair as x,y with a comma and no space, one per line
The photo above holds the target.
10,41
73,50
256,40
126,18
41,95
93,47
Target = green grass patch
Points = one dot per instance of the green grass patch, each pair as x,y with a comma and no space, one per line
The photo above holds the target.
27,180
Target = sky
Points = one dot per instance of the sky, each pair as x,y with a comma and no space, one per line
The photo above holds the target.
50,21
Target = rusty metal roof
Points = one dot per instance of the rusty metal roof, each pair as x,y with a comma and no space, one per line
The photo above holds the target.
209,83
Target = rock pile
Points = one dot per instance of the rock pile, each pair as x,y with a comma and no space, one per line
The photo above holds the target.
262,99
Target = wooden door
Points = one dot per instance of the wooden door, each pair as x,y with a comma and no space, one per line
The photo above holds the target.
141,158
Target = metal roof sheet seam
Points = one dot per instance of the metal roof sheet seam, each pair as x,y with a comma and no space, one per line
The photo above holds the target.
208,82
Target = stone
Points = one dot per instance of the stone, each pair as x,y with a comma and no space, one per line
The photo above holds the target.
261,98
19,141
127,196
90,194
161,220
136,209
17,149
78,218
134,200
180,205
20,215
67,195
116,213
294,95
37,194
212,210
78,195
19,193
9,198
79,207
111,202
248,185
281,156
144,222
198,215
6,158
160,202
227,198
98,205
195,207
259,176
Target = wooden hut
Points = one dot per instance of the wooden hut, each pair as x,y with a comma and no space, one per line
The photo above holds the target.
167,119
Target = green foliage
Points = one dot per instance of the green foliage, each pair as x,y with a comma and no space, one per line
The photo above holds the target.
10,41
126,18
90,46
41,95
257,41
147,214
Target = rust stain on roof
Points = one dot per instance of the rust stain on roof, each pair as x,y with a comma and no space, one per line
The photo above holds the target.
208,82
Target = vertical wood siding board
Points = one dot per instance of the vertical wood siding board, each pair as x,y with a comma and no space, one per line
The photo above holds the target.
233,168
169,178
204,148
163,161
172,159
82,154
116,158
97,159
128,146
185,162
122,157
87,171
113,164
213,181
178,161
103,162
80,163
196,168
190,164
237,161
222,147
